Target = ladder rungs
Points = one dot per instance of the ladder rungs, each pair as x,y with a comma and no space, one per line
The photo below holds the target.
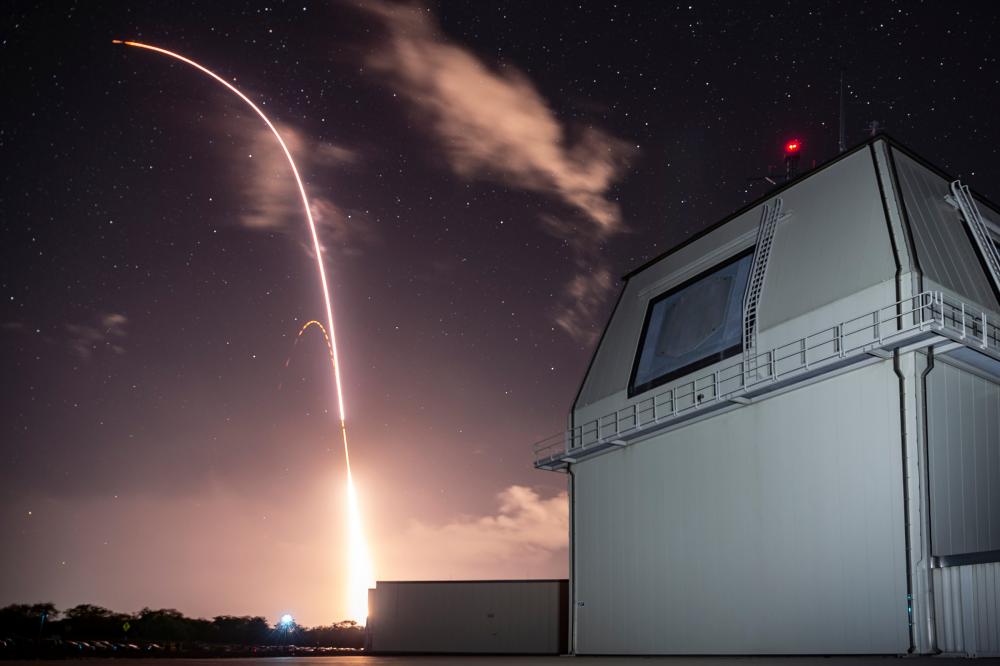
974,221
758,270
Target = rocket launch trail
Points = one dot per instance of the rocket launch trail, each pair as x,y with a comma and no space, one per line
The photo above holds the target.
361,570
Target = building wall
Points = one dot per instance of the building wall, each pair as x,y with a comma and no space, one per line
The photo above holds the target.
470,617
963,422
780,526
609,373
947,257
832,260
834,245
967,604
777,528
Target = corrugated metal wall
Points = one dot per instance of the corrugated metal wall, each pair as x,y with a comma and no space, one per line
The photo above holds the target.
963,421
774,529
967,604
944,251
484,617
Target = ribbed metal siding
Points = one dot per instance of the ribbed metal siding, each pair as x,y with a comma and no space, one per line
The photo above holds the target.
963,418
967,605
944,251
774,529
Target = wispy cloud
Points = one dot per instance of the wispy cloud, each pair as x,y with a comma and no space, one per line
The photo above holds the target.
272,199
586,292
525,533
330,154
108,332
493,124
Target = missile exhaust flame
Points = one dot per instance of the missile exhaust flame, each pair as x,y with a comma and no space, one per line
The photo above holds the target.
361,571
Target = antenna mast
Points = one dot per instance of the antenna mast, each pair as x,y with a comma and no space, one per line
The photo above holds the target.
841,141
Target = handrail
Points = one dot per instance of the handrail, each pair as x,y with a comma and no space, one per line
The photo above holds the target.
545,448
906,318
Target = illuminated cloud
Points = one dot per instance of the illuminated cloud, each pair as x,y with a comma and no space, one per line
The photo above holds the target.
329,154
348,232
587,293
493,124
272,201
526,536
106,333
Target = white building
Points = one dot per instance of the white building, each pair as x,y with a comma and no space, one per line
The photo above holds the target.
467,617
788,439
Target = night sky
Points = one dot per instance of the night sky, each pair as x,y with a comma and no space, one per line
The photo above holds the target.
483,174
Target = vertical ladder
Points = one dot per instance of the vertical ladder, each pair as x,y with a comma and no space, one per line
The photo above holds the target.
755,283
977,227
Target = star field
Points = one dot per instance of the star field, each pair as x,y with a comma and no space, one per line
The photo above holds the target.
483,175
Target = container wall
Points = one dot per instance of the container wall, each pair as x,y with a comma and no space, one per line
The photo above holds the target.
963,421
484,617
967,604
777,528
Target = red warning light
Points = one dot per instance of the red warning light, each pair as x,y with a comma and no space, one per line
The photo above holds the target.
792,147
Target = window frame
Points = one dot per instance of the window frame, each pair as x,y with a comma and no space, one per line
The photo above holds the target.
711,359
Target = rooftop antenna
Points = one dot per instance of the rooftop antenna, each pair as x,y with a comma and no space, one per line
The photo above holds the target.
841,141
792,156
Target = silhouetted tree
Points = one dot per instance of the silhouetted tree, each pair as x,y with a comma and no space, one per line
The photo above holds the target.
348,634
87,621
26,620
169,625
243,630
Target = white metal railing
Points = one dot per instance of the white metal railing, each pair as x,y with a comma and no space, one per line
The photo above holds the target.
887,327
552,446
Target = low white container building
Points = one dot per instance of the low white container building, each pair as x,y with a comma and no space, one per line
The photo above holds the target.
788,439
468,617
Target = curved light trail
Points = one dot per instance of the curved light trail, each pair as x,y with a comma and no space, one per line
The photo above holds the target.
302,331
326,336
361,570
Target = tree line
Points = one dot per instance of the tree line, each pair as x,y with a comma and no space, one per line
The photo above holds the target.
87,622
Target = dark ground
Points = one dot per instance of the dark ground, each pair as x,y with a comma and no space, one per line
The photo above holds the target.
358,660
